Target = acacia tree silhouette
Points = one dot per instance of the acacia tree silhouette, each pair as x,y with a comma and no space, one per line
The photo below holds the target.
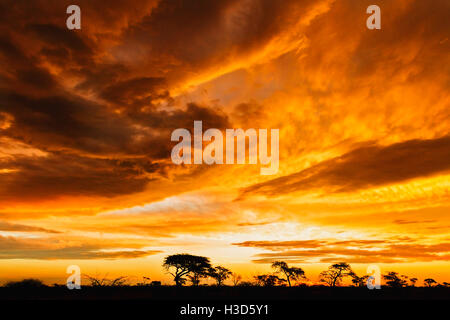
220,274
394,280
359,281
429,282
268,280
186,265
335,273
291,273
413,281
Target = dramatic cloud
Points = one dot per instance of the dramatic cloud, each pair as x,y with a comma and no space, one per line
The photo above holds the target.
65,174
365,167
186,37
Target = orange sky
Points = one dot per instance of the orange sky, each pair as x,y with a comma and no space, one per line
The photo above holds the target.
86,116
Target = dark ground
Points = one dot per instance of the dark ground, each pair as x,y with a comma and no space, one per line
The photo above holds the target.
210,293
166,302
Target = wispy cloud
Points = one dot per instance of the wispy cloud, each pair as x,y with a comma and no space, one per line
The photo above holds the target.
354,251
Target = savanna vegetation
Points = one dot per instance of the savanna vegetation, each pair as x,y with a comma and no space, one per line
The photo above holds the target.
195,277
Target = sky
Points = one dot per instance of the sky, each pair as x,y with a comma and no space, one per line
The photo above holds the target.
86,117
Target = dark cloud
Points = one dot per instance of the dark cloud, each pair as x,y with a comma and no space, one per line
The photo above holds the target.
92,150
65,174
100,76
37,77
181,37
365,167
106,130
10,50
22,71
211,118
138,91
60,36
65,121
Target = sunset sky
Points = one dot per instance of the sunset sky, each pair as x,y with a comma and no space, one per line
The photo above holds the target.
86,117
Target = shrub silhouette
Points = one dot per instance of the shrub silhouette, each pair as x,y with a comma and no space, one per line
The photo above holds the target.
268,280
145,283
104,282
245,284
25,284
220,274
359,281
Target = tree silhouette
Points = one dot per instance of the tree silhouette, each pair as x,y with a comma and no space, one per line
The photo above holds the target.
268,280
413,281
291,273
184,264
429,282
195,277
394,280
335,273
405,279
220,274
359,281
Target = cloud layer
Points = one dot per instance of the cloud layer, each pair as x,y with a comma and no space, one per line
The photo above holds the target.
352,251
365,167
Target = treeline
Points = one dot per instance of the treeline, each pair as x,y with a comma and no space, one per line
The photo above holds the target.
187,269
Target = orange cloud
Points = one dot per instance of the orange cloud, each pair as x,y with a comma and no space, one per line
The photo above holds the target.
353,251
